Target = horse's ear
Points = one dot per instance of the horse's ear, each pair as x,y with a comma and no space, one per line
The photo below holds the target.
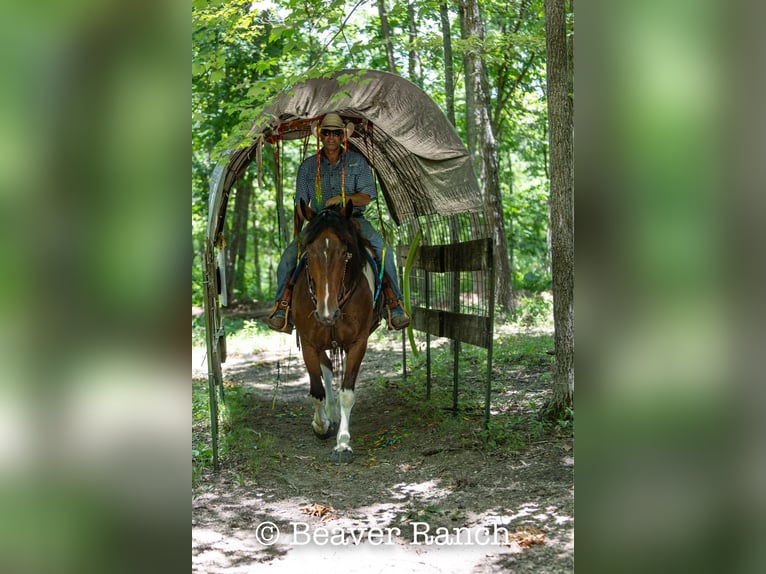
306,212
349,211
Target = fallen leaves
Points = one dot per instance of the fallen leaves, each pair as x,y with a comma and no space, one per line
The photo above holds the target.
527,536
323,512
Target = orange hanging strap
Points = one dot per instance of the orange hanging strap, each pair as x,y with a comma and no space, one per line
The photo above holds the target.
343,170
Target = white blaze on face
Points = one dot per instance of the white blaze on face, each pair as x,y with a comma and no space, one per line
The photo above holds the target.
327,277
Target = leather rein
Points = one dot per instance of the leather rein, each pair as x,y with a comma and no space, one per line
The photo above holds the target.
344,295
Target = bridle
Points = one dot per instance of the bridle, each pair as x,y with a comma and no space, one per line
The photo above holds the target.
343,293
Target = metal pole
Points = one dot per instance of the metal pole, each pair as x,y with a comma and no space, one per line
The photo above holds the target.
213,373
491,330
455,375
428,337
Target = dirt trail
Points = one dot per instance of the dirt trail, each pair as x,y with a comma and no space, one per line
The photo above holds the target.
497,511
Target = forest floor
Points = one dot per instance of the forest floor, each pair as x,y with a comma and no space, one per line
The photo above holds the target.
427,491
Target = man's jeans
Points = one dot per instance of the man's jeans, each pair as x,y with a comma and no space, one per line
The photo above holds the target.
288,261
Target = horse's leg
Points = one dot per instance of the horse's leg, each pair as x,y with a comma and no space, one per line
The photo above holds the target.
342,452
330,401
320,423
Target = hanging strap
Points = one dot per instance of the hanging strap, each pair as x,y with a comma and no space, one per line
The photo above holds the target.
371,154
343,170
318,180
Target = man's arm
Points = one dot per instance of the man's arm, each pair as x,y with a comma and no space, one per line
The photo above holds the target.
304,188
359,199
365,184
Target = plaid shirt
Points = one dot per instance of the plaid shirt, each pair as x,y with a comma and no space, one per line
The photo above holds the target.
358,179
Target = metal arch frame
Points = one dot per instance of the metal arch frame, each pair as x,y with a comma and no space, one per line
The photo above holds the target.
422,166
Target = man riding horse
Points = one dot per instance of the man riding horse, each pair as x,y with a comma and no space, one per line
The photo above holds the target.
331,167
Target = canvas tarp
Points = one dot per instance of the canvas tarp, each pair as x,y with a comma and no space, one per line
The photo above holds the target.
422,164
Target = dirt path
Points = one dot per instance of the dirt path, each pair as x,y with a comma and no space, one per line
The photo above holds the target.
415,499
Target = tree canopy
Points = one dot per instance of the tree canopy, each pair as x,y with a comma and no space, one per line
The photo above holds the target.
245,53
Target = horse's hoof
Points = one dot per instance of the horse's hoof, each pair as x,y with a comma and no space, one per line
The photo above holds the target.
331,430
342,456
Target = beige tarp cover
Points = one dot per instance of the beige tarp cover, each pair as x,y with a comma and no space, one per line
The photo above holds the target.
421,162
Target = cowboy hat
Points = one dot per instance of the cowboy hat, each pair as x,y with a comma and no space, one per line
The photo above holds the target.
334,121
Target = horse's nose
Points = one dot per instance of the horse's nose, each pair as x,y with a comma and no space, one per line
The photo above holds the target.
327,318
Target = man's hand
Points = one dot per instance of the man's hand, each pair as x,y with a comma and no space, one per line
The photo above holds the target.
359,199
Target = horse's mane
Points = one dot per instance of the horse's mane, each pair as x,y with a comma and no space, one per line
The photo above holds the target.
346,230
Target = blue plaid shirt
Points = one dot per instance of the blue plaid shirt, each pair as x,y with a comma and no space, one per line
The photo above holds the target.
358,179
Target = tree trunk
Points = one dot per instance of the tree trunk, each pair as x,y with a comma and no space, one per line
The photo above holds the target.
561,204
511,239
256,257
415,69
449,78
283,231
237,243
386,33
470,99
486,147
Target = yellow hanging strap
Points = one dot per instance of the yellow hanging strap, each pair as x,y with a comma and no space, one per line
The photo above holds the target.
318,180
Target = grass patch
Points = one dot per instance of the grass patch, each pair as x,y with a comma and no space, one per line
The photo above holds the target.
240,445
534,310
521,381
234,327
202,446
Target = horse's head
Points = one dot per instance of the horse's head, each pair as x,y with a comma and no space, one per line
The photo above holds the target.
331,243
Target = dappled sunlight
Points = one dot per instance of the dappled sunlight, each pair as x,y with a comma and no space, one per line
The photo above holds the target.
422,488
428,490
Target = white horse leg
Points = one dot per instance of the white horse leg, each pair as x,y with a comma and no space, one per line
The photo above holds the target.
342,451
320,422
330,400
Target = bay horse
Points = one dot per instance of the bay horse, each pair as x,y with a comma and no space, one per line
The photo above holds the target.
333,311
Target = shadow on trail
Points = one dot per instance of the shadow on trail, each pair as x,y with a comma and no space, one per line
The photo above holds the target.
415,467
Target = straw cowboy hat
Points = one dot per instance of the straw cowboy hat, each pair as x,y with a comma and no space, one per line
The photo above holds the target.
334,121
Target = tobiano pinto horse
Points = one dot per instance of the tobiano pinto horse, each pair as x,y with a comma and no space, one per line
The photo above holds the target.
333,311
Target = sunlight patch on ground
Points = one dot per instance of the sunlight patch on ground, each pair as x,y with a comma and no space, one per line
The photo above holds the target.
424,491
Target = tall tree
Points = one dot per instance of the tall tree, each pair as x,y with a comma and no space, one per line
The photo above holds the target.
237,240
561,203
257,284
415,68
485,145
385,31
469,65
449,71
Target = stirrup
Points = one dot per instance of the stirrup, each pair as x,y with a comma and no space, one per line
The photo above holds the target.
275,322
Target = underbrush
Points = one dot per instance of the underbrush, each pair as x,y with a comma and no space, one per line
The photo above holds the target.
240,445
520,384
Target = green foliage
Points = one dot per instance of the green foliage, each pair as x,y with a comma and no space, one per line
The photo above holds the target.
518,422
503,431
535,310
202,448
240,445
245,53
